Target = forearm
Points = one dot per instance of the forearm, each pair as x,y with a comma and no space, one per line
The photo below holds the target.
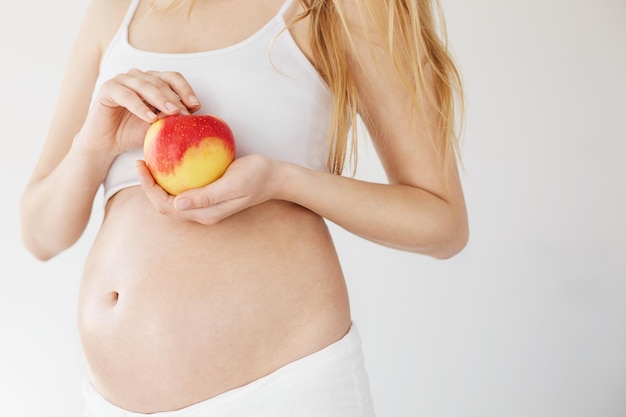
55,209
399,216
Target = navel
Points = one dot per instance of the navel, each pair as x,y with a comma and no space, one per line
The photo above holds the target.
114,297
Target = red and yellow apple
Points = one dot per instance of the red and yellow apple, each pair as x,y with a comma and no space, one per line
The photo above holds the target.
188,151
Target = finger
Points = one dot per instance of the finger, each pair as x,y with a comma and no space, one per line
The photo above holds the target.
159,198
178,83
181,97
214,213
153,90
211,195
114,94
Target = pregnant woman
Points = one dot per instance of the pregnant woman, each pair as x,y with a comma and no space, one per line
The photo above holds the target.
229,300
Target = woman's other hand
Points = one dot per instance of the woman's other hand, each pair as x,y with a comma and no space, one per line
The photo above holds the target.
248,181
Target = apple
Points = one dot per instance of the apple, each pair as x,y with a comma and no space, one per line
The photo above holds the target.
188,151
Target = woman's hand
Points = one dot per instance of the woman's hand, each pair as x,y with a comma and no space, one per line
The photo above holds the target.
127,104
248,181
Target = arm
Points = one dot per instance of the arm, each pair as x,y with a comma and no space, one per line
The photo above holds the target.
82,141
421,209
57,200
401,216
398,215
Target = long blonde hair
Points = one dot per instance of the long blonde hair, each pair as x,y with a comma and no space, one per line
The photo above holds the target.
415,37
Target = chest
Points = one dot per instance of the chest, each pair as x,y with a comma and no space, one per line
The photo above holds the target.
263,86
201,25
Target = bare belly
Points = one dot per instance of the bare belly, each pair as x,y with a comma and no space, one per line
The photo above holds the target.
172,313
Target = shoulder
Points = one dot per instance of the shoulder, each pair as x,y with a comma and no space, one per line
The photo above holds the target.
108,10
103,18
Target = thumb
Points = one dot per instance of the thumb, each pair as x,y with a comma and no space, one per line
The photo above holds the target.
204,197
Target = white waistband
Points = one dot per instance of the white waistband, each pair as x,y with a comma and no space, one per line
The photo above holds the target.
332,382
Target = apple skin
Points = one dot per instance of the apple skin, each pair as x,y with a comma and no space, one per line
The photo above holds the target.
188,151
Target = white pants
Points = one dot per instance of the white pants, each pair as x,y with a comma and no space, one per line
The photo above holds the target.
332,382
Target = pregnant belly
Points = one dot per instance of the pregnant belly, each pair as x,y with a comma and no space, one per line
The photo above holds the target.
172,313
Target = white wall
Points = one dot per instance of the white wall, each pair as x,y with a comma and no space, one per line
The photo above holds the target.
530,320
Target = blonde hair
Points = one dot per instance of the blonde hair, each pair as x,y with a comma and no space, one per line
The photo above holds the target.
413,35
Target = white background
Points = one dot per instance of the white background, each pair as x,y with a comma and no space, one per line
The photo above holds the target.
530,320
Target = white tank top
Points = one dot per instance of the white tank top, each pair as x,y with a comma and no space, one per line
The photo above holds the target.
264,87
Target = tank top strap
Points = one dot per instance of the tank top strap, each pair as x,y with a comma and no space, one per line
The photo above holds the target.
283,8
132,7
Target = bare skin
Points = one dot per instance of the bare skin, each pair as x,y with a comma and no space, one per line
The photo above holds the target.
185,298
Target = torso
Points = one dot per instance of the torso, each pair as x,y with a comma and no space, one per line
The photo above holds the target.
172,313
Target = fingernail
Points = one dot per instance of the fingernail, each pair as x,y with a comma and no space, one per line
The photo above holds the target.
182,204
194,100
171,106
151,115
